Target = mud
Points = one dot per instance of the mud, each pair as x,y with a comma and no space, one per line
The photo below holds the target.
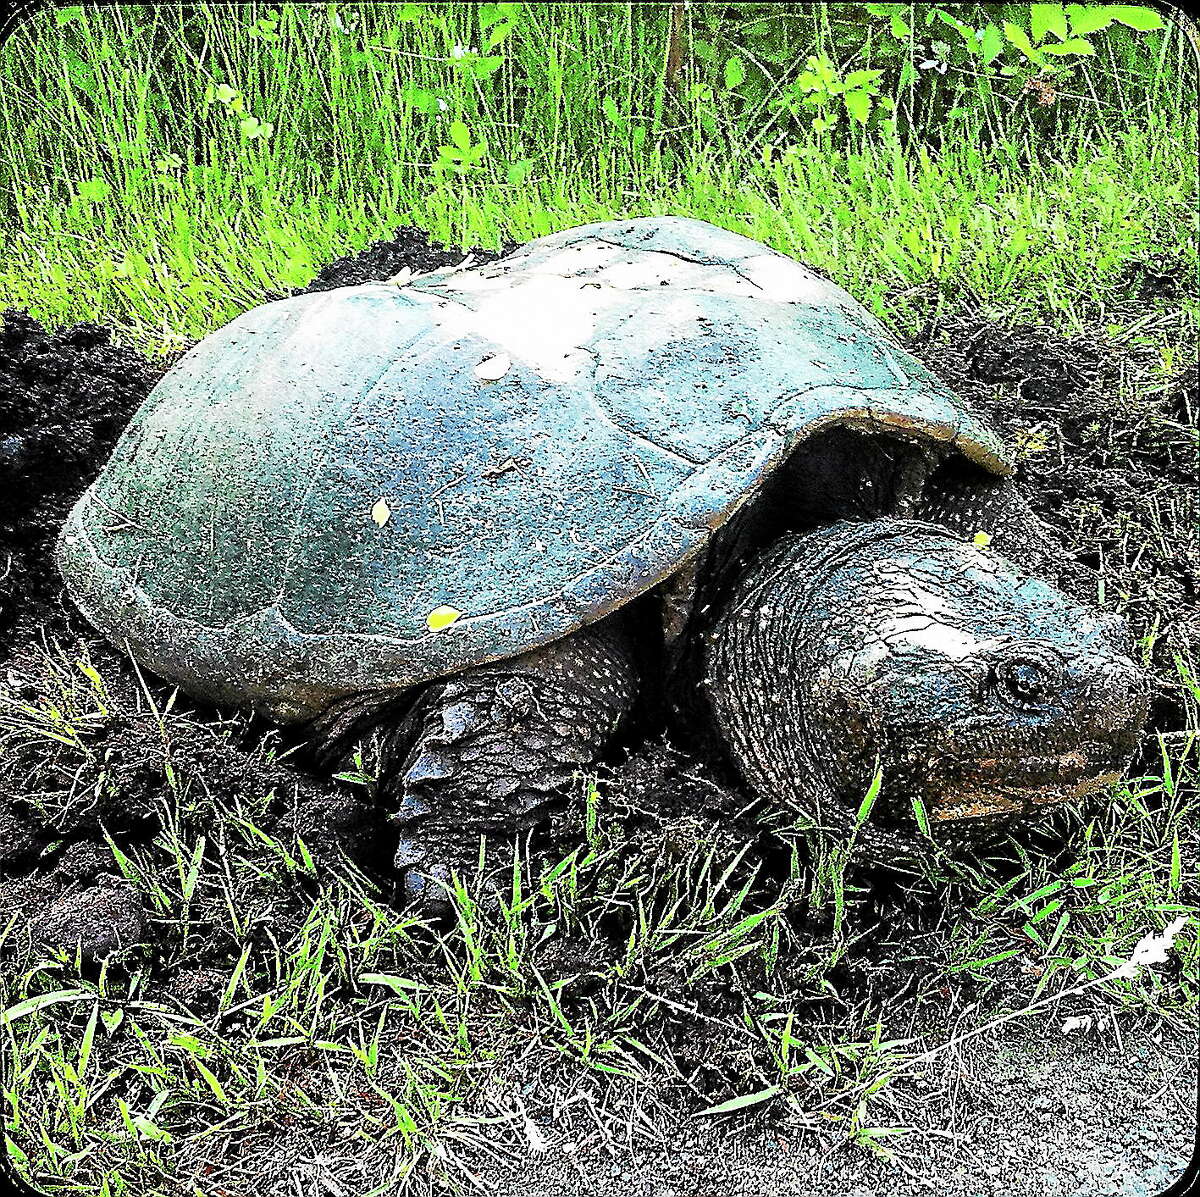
65,397
1114,475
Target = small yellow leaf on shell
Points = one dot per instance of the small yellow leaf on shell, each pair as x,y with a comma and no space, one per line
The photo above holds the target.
381,512
441,617
493,368
982,539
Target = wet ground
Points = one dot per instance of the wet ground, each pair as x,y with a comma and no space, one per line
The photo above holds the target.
1115,475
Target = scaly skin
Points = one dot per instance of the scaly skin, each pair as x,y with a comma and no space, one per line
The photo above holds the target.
977,686
486,750
974,686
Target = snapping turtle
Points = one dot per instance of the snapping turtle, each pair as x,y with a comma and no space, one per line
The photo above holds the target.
480,511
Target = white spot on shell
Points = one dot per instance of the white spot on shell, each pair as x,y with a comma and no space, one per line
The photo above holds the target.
787,281
493,368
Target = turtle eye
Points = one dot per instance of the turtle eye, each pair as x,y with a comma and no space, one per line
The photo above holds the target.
1025,681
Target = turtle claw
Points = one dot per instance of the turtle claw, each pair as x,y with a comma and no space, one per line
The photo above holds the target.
424,882
427,886
485,751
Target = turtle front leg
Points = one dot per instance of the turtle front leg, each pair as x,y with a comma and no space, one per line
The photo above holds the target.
488,748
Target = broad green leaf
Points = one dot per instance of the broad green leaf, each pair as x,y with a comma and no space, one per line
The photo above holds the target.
858,104
253,128
991,43
1047,18
91,674
149,1129
996,959
864,807
965,31
735,73
517,172
740,1103
1137,16
418,98
94,191
1076,45
390,980
34,1004
489,14
1020,39
862,78
210,1080
1089,18
900,28
1046,911
921,815
460,135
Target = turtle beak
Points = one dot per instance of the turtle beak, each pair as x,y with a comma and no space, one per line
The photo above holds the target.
1114,700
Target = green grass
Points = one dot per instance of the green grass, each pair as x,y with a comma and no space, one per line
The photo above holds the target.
660,964
134,192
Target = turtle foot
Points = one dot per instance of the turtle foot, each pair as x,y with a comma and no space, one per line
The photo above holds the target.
487,750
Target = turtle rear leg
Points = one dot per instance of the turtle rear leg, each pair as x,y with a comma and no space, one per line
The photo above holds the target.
485,750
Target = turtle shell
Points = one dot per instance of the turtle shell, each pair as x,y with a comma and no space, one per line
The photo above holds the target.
373,486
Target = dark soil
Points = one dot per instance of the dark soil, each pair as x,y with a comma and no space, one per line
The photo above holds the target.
65,397
409,248
1117,480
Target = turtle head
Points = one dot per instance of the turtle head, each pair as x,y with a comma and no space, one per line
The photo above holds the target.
980,692
984,691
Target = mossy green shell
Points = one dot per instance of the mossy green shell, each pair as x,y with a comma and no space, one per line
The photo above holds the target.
532,443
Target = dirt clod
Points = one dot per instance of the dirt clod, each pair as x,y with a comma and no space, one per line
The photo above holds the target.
65,397
407,248
102,919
